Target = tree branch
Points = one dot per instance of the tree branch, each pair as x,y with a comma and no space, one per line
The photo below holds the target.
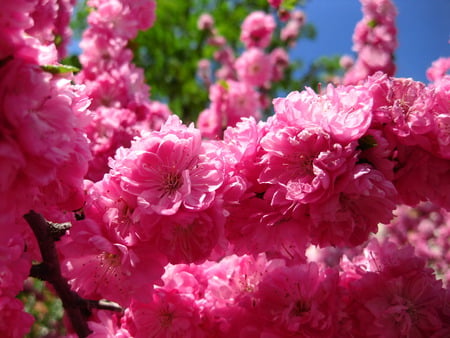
50,270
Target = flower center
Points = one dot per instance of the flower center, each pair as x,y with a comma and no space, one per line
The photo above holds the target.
300,307
109,260
172,181
305,163
166,317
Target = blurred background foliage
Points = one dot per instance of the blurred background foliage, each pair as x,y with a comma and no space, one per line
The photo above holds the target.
46,308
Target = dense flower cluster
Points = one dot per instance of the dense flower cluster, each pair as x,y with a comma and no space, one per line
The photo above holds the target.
235,227
383,291
36,31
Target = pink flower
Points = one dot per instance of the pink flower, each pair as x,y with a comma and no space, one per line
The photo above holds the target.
169,314
378,149
209,123
409,110
187,279
27,31
291,31
280,62
157,114
426,227
257,30
395,295
109,205
421,176
254,67
234,280
14,321
168,169
438,69
304,163
122,18
299,299
350,115
205,22
343,112
110,129
255,226
346,61
101,53
230,101
440,93
242,151
106,325
17,17
43,151
275,3
99,265
348,216
188,237
15,265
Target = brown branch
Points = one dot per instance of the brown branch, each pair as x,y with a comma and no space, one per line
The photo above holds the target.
49,269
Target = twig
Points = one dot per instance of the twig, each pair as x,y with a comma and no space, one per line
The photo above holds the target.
49,270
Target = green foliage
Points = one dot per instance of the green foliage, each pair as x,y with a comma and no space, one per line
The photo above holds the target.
170,51
60,69
46,308
321,72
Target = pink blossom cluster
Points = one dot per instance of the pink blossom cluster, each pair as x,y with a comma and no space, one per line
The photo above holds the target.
426,227
385,291
120,98
43,150
36,31
439,69
292,29
241,81
374,40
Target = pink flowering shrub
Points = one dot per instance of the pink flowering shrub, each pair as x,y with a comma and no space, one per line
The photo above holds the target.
232,226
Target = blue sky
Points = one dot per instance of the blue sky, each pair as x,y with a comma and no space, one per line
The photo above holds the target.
423,32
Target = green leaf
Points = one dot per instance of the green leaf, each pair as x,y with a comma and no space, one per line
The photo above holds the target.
59,69
289,4
224,84
372,23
